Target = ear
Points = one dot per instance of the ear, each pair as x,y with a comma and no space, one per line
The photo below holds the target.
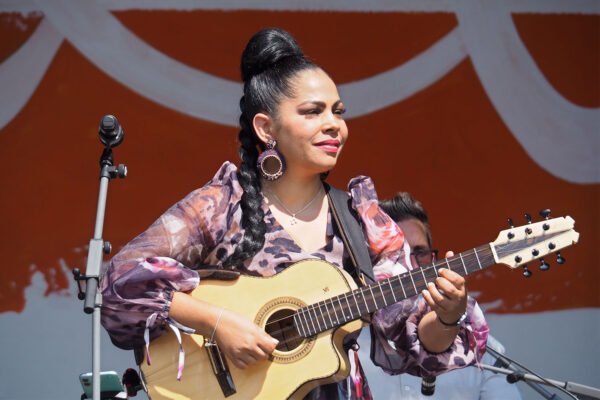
262,124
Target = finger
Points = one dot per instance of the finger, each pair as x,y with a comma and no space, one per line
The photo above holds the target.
435,294
449,254
268,344
259,354
428,299
447,288
454,278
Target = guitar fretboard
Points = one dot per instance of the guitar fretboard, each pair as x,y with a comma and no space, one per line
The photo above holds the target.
338,310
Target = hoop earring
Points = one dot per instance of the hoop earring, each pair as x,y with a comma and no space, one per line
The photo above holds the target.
270,163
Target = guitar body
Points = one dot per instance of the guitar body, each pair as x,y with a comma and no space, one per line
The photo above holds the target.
298,364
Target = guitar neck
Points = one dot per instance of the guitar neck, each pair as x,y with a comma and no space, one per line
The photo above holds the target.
338,310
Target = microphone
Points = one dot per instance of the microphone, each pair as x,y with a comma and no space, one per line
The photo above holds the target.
111,133
428,385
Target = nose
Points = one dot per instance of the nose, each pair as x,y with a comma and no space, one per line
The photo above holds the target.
331,122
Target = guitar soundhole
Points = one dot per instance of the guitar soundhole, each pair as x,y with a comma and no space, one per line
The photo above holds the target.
281,326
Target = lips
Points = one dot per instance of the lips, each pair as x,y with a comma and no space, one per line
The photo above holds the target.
329,145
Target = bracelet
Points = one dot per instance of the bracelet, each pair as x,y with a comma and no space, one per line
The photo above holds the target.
217,324
457,323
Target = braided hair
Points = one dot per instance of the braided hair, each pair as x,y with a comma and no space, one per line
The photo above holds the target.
270,61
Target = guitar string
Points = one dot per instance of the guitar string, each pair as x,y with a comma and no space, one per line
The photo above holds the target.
459,268
428,268
415,275
361,290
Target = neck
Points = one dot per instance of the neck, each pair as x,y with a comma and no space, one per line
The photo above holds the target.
295,192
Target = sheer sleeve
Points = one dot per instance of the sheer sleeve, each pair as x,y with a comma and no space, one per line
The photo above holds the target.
395,345
139,283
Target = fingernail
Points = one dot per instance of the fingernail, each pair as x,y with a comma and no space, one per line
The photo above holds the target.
275,340
430,284
425,291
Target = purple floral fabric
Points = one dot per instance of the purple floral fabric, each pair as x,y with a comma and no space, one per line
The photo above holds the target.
204,228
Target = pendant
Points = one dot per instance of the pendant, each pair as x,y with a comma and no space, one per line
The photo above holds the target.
293,221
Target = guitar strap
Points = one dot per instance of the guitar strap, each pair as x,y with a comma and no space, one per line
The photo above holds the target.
346,220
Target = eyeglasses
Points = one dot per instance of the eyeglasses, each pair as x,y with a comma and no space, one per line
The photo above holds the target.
424,257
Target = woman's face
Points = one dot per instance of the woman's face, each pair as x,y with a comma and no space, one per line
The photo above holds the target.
309,127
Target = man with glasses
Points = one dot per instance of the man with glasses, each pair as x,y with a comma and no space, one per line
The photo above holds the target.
466,383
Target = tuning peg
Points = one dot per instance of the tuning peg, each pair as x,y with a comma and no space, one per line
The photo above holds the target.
510,234
528,218
526,271
559,258
544,266
545,213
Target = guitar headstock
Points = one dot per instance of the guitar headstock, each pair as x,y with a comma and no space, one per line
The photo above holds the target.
519,245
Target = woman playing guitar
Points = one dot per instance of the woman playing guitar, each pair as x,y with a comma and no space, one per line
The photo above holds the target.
270,213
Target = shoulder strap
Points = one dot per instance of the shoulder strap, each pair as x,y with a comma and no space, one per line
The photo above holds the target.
346,220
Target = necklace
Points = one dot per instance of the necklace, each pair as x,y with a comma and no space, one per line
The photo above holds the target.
294,221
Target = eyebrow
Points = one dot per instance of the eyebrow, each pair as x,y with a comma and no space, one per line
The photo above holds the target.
320,103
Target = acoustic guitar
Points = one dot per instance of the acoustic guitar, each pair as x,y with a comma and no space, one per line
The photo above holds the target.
310,307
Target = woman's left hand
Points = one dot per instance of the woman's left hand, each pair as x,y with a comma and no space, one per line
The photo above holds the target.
448,296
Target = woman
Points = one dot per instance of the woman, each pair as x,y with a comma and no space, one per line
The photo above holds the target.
270,214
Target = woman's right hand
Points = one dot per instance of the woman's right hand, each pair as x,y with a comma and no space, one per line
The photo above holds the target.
242,341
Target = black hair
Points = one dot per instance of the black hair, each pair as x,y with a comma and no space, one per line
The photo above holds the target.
270,61
402,207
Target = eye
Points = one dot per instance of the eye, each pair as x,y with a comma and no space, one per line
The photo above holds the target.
311,111
340,111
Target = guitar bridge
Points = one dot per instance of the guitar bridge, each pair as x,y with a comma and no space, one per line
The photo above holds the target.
218,362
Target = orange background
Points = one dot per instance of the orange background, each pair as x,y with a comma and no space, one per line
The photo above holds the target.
446,144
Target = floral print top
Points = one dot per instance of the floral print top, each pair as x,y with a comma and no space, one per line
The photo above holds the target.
204,228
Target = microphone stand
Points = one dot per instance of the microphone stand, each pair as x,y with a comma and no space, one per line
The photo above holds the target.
586,392
110,129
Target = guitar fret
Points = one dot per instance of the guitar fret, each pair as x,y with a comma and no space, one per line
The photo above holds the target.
322,310
311,322
316,317
362,292
303,314
382,295
341,308
406,284
347,318
413,282
374,299
463,263
402,287
430,273
335,309
423,273
355,301
389,281
478,261
299,325
328,313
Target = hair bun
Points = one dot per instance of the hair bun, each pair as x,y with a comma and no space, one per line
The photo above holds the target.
265,49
